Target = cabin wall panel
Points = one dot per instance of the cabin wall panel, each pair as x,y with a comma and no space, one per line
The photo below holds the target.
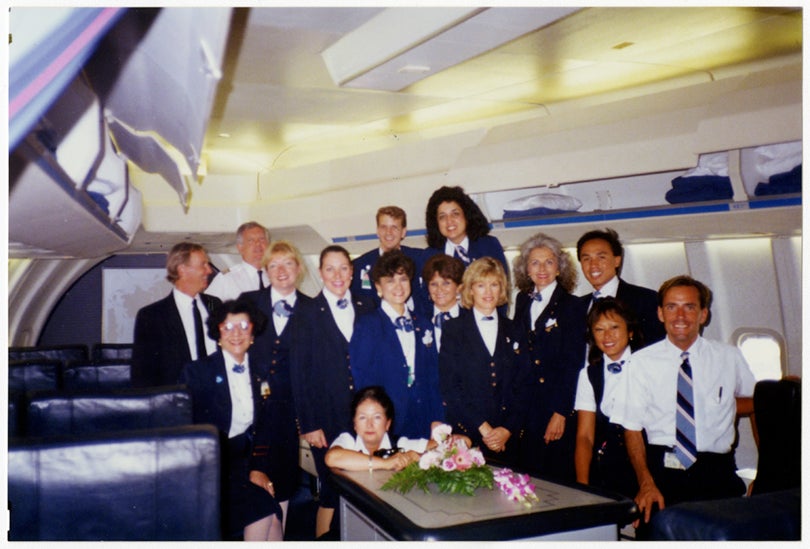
742,277
787,259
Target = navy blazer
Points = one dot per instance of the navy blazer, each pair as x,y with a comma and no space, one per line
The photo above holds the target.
557,353
362,268
377,359
272,351
160,348
207,381
322,381
486,246
477,386
644,303
274,348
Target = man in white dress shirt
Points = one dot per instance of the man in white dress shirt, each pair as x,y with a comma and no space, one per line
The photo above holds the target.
685,392
251,241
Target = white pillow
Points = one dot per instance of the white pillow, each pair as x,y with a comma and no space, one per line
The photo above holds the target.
552,201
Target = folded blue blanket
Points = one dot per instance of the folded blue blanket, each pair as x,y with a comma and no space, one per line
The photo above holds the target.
699,188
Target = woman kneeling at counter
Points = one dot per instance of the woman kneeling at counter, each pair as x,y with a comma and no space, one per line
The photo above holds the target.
370,448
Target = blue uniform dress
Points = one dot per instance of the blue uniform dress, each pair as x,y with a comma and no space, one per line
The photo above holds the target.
322,381
378,359
610,464
274,351
478,386
361,279
556,348
242,501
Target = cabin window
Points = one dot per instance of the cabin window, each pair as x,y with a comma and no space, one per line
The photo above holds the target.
763,349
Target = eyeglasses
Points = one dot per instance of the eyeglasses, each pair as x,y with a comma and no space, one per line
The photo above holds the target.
242,326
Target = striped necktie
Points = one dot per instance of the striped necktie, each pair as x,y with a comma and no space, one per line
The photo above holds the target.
461,253
282,309
685,437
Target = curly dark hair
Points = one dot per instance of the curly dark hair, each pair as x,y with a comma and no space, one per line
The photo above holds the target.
235,307
610,306
477,224
391,263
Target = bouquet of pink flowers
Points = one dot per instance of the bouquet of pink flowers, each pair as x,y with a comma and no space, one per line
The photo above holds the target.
451,466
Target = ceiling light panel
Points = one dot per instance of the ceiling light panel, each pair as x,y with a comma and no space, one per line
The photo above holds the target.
437,38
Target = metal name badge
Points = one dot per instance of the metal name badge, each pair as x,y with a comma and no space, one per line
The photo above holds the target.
671,461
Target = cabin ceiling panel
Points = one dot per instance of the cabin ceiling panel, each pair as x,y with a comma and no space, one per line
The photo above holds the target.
277,88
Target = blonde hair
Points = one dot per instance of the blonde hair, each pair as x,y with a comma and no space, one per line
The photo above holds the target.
286,248
480,269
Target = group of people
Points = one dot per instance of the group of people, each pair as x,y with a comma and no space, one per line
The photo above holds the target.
404,338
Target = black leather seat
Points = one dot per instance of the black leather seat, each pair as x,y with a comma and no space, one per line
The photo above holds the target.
160,484
773,511
54,413
111,351
29,375
775,516
778,416
64,353
35,374
101,374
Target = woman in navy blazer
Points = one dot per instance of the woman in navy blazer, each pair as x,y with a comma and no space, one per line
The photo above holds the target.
553,321
456,226
396,349
483,365
228,391
322,380
279,302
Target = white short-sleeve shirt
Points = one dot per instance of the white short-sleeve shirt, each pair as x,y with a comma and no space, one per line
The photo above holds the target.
647,395
586,399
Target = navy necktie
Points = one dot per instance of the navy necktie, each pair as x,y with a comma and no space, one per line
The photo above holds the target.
440,318
487,318
282,308
597,295
537,296
261,279
615,367
685,436
199,335
404,323
239,368
342,303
